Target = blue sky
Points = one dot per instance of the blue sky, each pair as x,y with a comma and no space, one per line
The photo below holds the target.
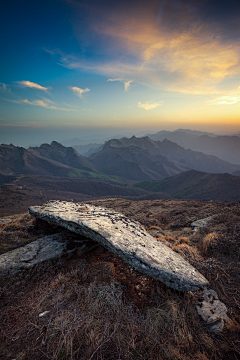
72,68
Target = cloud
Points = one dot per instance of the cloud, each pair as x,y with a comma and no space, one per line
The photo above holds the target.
79,91
119,79
147,106
184,52
4,87
32,85
126,82
41,103
225,100
229,98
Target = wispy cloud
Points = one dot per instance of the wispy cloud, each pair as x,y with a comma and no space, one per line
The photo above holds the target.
41,103
32,85
4,87
230,98
118,79
150,106
225,100
126,82
71,106
79,91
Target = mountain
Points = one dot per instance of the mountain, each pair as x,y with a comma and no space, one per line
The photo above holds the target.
135,159
64,155
93,150
131,159
144,159
53,159
87,150
180,136
197,185
224,147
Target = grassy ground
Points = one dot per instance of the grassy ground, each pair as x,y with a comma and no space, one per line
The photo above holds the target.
98,307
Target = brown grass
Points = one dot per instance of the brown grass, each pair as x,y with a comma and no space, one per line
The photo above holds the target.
90,319
101,308
187,251
209,241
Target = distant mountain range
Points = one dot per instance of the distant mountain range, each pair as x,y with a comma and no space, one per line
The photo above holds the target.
197,185
145,159
162,169
224,147
129,159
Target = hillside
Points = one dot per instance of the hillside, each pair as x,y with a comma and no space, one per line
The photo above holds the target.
64,308
17,193
197,185
48,160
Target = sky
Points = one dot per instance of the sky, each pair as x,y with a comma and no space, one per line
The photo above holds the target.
93,69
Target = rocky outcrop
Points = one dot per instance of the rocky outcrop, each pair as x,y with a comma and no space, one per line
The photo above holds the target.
125,238
47,248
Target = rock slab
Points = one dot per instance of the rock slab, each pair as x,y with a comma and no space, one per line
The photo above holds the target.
200,223
125,238
47,248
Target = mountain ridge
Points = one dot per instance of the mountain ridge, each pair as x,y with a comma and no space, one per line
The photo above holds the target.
129,159
197,185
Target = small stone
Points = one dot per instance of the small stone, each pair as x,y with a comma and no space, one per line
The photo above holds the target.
211,310
44,313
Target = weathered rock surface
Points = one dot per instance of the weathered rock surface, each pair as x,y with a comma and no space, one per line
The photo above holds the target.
46,248
125,238
211,310
200,223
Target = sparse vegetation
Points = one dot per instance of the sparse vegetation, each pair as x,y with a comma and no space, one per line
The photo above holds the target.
98,307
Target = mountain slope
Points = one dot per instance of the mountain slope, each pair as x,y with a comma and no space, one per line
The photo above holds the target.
224,147
52,159
144,159
62,154
135,162
197,185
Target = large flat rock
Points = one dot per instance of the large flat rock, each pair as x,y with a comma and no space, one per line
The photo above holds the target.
125,238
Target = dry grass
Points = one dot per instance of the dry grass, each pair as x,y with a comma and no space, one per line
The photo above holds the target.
88,319
187,251
155,228
183,239
209,241
101,308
